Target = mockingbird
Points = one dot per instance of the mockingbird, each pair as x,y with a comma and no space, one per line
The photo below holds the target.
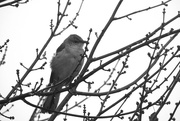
66,63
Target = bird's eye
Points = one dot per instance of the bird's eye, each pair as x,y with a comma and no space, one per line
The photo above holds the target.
75,41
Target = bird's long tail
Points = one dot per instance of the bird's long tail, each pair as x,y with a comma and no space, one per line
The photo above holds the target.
51,103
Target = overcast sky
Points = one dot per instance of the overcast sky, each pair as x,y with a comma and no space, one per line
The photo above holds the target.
27,28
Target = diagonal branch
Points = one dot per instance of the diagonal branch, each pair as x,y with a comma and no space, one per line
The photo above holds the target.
135,12
139,41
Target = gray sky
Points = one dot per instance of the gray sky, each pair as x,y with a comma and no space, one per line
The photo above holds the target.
27,27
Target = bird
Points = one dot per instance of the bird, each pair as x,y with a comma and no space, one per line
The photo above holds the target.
65,66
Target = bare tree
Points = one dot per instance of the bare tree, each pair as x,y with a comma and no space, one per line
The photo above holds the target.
14,3
3,50
140,93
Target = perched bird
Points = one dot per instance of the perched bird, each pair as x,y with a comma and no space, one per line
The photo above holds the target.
65,66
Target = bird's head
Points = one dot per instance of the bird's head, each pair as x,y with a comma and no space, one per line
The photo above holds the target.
74,41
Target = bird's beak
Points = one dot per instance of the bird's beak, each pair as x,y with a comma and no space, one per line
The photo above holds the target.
85,42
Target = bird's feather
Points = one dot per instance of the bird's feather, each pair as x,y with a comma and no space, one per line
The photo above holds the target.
60,48
65,66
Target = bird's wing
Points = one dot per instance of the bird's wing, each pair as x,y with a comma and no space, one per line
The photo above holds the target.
59,49
51,78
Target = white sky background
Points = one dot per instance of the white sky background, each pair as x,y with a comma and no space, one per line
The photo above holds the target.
27,28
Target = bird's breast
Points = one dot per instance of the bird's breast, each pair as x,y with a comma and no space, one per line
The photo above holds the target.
65,62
